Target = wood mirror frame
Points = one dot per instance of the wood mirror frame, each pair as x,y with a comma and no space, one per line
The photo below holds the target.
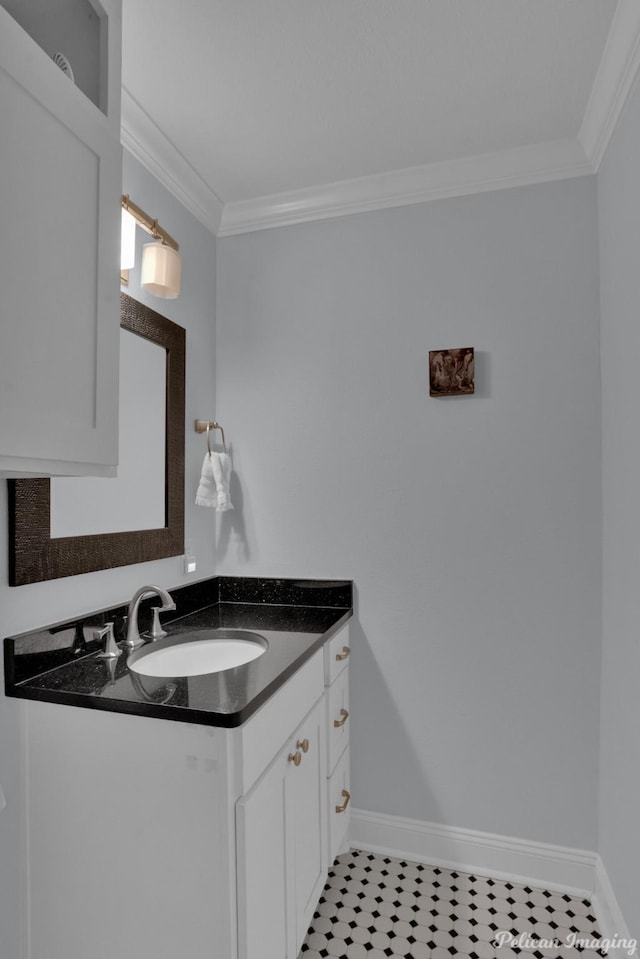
34,556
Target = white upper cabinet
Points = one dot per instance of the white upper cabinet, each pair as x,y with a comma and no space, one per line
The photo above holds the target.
60,187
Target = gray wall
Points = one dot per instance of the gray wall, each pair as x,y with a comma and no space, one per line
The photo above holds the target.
471,526
26,607
619,215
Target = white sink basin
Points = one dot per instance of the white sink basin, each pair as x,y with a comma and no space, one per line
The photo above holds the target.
197,653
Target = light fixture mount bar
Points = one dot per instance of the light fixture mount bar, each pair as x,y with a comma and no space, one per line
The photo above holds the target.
148,223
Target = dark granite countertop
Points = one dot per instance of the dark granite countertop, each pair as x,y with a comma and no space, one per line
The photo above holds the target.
60,663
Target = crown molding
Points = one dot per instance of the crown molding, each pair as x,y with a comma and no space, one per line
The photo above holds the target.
538,163
613,83
148,144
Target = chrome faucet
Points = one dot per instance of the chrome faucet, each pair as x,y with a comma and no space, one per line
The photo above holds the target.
133,636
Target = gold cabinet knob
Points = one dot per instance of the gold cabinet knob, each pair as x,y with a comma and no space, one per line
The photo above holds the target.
295,758
303,744
346,795
344,713
343,655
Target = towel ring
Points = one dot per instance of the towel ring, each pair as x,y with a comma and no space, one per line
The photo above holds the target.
215,426
204,425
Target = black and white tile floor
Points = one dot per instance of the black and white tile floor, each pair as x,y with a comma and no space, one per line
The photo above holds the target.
375,907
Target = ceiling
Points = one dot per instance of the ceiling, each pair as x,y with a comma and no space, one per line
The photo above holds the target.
261,112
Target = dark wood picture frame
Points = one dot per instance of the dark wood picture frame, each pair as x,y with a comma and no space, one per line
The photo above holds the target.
34,556
452,372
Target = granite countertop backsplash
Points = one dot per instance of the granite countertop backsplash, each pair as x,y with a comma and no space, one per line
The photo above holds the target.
59,663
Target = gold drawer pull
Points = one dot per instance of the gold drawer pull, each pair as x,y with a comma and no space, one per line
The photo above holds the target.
343,655
346,795
295,758
340,722
303,744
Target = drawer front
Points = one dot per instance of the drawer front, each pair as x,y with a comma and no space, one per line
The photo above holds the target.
336,655
338,721
270,727
339,806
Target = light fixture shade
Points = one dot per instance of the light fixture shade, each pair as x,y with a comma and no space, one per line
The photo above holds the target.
161,270
127,242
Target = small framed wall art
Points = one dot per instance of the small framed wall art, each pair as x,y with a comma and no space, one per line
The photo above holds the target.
451,372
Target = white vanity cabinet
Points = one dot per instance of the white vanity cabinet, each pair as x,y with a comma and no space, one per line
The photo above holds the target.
153,839
60,187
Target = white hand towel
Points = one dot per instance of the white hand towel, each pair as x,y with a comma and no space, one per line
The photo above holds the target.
213,490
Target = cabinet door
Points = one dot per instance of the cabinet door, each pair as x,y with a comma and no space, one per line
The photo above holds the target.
306,822
282,846
261,869
59,246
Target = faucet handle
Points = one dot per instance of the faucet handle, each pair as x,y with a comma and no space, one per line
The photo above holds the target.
156,631
111,650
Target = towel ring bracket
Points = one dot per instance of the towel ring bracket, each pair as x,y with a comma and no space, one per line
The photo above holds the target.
202,426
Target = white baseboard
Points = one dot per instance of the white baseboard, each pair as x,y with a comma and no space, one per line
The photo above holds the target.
611,922
576,872
500,857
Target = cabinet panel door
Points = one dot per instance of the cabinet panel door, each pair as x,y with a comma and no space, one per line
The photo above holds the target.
59,196
306,821
262,851
339,792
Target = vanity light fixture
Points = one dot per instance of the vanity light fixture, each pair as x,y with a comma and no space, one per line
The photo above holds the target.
161,270
161,262
127,242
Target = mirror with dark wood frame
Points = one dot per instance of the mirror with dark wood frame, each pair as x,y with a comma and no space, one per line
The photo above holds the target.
35,556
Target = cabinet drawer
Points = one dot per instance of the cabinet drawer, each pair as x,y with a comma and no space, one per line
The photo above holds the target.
337,719
339,806
268,729
336,655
